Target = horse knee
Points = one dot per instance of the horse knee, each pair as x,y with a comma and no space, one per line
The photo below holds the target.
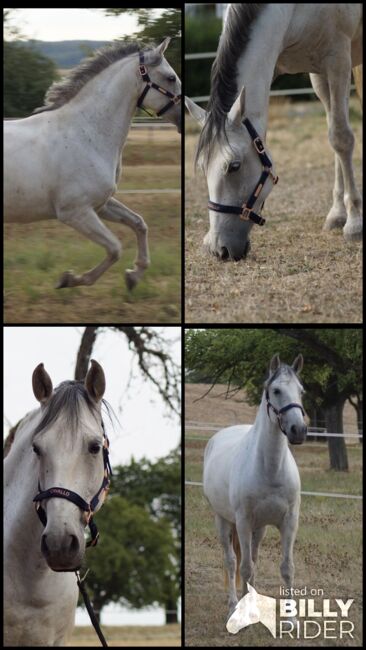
115,251
142,227
341,138
287,571
246,570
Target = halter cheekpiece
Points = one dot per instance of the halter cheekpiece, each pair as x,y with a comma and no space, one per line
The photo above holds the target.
174,99
88,508
245,210
279,412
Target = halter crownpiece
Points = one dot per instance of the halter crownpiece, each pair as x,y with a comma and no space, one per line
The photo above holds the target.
245,210
174,99
88,508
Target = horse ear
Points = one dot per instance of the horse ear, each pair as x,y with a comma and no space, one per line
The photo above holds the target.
162,47
95,381
237,111
298,364
198,113
42,384
275,363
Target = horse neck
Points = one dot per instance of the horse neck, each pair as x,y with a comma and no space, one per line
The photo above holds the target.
271,443
255,68
107,105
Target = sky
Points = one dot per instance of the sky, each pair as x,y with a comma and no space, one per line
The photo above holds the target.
144,429
72,24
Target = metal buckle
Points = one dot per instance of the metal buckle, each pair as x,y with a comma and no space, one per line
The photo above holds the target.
258,145
176,99
245,215
143,70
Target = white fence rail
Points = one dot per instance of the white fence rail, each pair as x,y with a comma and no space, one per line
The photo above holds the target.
307,494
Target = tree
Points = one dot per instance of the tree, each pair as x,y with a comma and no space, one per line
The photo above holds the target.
239,357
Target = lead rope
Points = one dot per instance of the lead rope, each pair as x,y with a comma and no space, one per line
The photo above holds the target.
89,607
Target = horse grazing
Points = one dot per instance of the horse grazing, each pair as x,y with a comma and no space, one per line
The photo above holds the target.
64,161
57,453
258,43
251,480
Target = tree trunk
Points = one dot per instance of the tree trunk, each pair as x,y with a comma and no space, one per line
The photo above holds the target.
337,446
171,614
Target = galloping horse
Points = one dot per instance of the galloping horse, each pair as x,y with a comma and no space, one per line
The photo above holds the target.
64,162
250,477
259,42
57,453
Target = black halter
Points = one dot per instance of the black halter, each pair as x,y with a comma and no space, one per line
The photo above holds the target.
279,412
88,508
174,99
245,210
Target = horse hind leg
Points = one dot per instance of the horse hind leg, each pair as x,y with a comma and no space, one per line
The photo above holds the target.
116,211
89,224
224,529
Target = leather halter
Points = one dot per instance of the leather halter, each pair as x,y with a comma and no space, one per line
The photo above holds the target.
245,210
279,412
174,99
88,508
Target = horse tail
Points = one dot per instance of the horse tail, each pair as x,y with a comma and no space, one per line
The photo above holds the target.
236,547
357,75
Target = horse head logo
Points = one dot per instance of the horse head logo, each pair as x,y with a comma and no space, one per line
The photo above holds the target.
253,608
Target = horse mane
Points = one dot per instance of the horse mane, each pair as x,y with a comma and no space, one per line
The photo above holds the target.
61,92
224,88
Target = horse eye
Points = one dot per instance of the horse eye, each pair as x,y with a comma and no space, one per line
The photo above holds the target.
171,77
36,450
276,391
95,449
233,166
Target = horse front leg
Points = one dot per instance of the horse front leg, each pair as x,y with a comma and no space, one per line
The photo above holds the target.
342,139
244,531
88,223
119,213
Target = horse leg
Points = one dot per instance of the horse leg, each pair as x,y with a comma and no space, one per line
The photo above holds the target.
245,539
89,224
342,139
288,532
337,215
257,537
224,532
119,213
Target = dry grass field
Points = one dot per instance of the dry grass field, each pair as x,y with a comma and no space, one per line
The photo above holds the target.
36,254
295,272
129,636
328,547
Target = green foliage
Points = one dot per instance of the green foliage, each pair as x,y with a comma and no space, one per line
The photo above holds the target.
27,76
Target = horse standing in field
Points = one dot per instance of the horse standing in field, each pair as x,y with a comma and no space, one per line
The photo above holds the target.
258,43
251,480
61,444
64,161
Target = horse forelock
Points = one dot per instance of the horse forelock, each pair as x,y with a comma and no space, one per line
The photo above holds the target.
67,402
282,369
224,88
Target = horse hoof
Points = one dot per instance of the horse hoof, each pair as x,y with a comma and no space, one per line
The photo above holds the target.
353,233
131,279
65,280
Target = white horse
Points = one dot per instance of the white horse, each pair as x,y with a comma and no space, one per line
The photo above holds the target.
259,42
251,479
61,444
64,162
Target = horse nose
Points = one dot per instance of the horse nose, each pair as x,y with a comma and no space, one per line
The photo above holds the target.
299,432
69,544
224,253
234,252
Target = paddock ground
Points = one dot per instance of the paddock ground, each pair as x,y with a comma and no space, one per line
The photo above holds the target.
295,271
36,254
328,547
129,636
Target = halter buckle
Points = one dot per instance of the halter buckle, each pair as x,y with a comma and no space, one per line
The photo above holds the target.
258,145
143,70
176,99
245,214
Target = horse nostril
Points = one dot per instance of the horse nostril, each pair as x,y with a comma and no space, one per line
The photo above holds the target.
224,253
74,545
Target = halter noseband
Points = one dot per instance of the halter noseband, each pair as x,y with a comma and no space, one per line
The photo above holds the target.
88,508
245,210
279,412
174,99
